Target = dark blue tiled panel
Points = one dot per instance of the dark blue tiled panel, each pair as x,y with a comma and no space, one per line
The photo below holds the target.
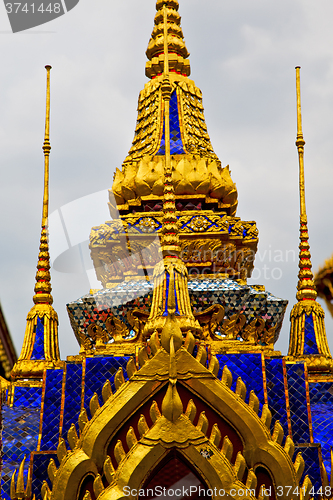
39,471
52,406
246,366
72,397
310,343
321,398
38,350
276,391
321,392
19,438
98,370
297,402
29,397
312,465
176,144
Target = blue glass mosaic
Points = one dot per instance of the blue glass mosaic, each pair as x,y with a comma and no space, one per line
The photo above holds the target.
310,343
297,403
98,371
39,471
203,294
167,295
321,397
276,392
312,465
28,397
72,405
249,368
176,144
38,350
19,438
52,407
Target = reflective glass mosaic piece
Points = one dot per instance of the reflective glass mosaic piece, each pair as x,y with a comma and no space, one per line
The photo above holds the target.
73,391
38,350
98,371
276,391
321,397
297,401
40,464
19,438
204,293
176,144
52,407
249,368
310,343
310,455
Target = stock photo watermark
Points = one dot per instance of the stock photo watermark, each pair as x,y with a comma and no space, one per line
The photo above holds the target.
26,15
198,491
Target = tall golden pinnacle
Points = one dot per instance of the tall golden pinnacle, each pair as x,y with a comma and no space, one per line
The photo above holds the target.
43,277
308,341
170,236
40,348
170,276
174,39
306,287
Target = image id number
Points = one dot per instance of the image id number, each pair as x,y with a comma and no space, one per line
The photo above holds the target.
15,7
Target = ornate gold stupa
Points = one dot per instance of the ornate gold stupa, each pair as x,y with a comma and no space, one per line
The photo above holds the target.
177,390
212,239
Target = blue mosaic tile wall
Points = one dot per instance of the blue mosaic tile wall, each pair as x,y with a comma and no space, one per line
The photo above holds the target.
38,350
276,392
52,406
98,371
176,144
27,397
39,471
310,343
73,391
297,403
321,398
20,433
312,465
249,368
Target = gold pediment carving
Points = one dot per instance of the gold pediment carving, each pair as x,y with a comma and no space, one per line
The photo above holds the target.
146,445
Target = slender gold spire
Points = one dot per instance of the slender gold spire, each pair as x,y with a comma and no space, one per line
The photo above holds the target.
308,341
40,348
306,286
170,276
43,277
170,237
174,39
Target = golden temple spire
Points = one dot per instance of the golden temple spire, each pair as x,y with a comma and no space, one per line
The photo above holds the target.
43,277
308,339
170,276
170,237
306,287
173,39
40,346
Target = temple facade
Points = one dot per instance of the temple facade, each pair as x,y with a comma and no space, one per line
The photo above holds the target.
176,389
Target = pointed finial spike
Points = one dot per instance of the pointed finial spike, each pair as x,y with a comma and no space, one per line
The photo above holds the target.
42,320
306,286
43,277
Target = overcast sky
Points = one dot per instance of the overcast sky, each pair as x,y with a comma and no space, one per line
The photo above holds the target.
243,55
